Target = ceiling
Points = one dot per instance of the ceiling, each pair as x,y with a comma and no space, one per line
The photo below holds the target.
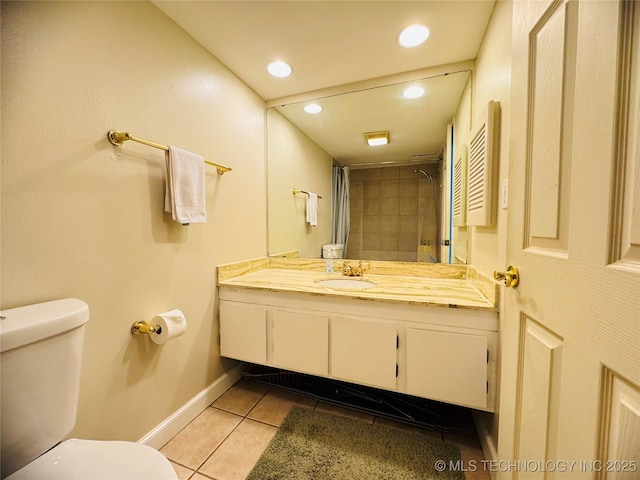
339,45
340,126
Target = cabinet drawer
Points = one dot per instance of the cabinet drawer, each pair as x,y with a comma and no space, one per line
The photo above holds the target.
301,342
364,352
243,332
449,367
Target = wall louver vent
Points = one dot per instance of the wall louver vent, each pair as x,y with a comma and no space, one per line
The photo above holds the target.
483,168
459,189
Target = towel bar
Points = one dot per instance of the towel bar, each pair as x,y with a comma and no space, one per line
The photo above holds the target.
296,191
118,138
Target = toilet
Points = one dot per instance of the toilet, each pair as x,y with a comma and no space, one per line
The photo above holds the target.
41,354
333,250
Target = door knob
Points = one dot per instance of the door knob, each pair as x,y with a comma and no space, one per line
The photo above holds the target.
511,277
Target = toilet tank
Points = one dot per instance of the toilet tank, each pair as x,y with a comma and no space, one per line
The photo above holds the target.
333,250
41,356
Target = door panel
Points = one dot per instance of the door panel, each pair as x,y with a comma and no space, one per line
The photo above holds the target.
621,438
572,232
597,116
448,367
550,116
243,332
301,342
626,230
363,351
539,390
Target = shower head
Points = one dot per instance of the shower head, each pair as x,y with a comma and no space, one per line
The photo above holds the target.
423,172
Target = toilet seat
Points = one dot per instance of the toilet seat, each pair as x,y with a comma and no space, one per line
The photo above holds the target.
98,460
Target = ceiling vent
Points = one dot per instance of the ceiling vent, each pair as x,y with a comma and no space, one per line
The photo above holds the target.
425,158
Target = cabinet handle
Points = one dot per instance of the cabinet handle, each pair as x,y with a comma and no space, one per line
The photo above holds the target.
397,342
397,370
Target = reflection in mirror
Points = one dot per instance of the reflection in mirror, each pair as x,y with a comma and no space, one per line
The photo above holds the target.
398,193
394,213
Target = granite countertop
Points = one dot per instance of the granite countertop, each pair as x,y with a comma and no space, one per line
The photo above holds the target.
404,282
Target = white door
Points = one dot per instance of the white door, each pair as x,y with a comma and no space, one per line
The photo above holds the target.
570,378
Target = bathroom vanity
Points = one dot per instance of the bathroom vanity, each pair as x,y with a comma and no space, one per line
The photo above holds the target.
428,330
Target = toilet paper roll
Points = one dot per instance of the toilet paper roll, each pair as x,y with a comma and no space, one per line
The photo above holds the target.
172,324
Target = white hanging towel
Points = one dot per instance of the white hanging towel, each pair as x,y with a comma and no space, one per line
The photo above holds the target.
312,209
185,187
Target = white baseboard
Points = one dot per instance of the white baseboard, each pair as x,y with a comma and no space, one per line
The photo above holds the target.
168,429
489,449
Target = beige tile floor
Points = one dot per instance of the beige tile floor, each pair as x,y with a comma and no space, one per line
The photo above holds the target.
225,441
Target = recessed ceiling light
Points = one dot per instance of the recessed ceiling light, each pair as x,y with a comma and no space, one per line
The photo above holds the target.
312,108
377,138
413,36
413,92
279,69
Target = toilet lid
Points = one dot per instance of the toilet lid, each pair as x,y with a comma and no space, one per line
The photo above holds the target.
98,460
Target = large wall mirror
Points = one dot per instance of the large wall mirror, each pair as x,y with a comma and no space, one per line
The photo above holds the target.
399,193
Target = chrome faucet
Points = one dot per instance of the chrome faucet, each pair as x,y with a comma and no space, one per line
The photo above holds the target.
349,271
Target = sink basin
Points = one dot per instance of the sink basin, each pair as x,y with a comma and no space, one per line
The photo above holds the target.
348,283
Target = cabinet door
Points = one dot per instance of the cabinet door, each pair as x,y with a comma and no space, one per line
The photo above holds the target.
243,332
301,342
364,352
449,367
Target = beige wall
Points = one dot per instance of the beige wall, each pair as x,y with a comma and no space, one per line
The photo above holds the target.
492,81
295,161
82,218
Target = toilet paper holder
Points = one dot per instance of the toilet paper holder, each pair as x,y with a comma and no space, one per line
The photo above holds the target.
162,327
141,327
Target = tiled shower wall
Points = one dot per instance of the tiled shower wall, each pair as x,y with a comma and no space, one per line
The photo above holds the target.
387,211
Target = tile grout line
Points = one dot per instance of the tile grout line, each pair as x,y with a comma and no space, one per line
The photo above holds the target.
223,440
242,417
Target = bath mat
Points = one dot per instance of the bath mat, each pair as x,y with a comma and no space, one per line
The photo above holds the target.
312,445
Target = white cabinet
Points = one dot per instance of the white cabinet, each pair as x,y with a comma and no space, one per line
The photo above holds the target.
440,353
300,342
364,351
243,332
449,367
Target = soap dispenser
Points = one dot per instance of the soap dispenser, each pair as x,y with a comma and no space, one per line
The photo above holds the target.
329,268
